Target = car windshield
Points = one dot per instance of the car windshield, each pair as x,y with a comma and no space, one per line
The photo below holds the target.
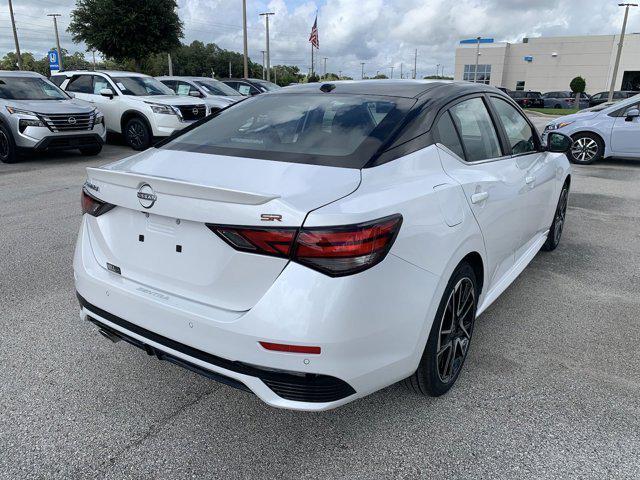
268,86
29,88
214,87
321,129
142,86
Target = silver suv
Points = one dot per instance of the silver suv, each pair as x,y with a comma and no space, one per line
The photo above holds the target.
36,115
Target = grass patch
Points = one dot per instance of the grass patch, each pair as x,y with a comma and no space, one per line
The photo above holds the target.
554,111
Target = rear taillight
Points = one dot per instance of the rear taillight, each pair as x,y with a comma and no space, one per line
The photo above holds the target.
93,206
334,251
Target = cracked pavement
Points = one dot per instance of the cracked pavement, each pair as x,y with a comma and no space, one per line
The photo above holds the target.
551,388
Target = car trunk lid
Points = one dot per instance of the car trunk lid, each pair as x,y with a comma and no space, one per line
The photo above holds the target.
157,236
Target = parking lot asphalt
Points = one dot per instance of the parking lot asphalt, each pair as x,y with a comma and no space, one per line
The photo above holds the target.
551,387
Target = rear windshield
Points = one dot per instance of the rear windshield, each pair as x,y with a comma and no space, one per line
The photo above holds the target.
29,88
320,129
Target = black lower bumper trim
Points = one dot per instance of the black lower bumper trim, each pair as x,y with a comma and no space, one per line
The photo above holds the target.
296,386
69,142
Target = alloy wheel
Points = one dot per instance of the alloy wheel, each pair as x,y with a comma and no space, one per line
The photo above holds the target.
4,145
136,135
561,212
456,327
584,149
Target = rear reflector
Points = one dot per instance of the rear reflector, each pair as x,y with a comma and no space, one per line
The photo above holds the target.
93,206
281,347
334,251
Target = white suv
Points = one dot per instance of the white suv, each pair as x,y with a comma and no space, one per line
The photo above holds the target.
135,105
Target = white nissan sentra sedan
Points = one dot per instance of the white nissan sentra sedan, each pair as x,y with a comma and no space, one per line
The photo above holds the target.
318,243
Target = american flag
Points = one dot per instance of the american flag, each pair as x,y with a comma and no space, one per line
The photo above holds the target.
313,38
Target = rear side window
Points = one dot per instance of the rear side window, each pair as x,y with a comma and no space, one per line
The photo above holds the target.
57,80
446,134
476,129
519,132
100,84
81,84
321,129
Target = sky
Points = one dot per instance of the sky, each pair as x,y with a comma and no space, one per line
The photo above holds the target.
380,33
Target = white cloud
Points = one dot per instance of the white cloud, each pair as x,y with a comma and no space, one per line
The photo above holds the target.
380,33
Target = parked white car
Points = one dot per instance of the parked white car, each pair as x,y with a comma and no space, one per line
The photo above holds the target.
138,106
318,243
215,94
607,130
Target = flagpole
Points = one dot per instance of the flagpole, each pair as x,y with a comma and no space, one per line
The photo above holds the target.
312,59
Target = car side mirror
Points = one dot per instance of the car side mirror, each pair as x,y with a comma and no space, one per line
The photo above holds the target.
631,114
558,142
71,94
193,93
107,92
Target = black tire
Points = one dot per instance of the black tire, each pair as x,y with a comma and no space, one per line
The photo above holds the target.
137,134
586,148
557,106
91,151
8,153
555,231
434,376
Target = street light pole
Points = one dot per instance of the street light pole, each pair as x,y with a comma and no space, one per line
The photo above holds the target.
325,67
475,72
244,34
391,71
362,74
415,64
55,26
263,72
15,36
266,15
619,53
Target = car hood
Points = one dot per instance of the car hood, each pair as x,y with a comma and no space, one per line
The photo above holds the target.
51,106
574,117
169,100
220,101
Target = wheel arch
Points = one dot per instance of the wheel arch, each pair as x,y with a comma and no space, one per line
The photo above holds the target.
129,114
591,132
474,259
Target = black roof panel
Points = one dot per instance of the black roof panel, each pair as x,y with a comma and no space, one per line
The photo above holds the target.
394,88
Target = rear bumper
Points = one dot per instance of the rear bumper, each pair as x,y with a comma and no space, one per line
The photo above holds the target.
371,329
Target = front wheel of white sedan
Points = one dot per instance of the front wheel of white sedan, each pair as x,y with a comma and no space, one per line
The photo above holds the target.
586,148
450,336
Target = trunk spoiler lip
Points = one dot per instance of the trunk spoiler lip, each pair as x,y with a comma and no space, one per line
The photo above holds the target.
181,188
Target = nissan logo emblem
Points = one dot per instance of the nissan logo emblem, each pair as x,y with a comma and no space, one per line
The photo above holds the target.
72,120
146,196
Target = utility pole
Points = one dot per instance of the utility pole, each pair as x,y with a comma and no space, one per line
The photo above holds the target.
244,33
263,72
415,64
437,69
266,15
391,71
619,53
229,68
325,67
275,75
400,70
339,74
15,36
362,74
475,72
170,65
55,26
94,59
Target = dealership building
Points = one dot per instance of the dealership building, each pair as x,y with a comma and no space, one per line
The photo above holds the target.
550,63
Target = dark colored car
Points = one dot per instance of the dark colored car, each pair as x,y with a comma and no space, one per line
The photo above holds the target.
603,97
564,99
250,86
505,90
528,99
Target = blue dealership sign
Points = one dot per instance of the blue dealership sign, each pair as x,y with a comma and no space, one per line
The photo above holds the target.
54,61
475,41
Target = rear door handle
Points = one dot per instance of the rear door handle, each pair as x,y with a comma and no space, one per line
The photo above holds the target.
479,197
530,179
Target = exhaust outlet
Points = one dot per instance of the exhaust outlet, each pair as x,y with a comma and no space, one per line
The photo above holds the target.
109,335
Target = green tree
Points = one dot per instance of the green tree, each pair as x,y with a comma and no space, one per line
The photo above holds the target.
578,86
380,76
127,29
